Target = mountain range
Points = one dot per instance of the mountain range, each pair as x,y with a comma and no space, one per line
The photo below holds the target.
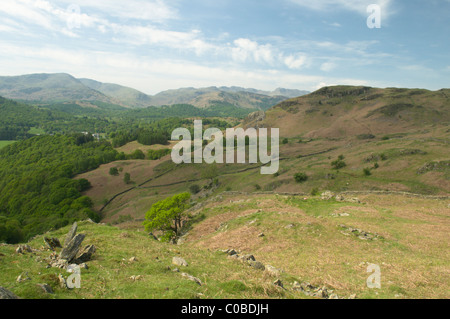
64,88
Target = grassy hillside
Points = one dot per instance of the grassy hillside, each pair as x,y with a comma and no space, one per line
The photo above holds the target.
346,111
306,240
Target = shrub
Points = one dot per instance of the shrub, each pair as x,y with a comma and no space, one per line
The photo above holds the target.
300,177
338,164
285,141
113,171
194,189
127,178
367,171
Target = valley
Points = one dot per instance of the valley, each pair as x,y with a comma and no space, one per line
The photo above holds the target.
363,180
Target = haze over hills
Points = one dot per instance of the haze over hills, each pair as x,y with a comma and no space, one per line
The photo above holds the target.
64,88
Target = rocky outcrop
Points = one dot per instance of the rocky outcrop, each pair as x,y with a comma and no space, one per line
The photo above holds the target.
71,249
6,294
52,243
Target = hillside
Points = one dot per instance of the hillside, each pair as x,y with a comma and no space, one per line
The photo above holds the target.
345,111
312,247
376,192
48,88
126,95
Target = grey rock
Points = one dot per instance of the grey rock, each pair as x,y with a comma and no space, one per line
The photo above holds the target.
246,258
52,243
256,265
194,279
60,263
278,283
179,261
273,271
85,254
24,249
71,234
71,249
6,294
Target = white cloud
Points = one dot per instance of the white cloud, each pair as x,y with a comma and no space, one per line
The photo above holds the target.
247,50
293,62
359,6
155,75
328,66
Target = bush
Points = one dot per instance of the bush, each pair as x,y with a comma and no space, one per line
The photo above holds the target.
315,191
300,177
338,164
137,154
157,154
257,187
113,171
367,171
285,141
127,178
194,189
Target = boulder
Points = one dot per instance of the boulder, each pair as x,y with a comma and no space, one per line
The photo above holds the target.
85,254
256,264
71,234
246,258
6,294
70,250
24,249
273,271
179,261
52,243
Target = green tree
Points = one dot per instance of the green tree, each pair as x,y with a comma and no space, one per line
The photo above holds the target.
300,177
127,178
167,215
113,171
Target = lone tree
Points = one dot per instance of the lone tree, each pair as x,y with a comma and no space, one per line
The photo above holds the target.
127,178
166,215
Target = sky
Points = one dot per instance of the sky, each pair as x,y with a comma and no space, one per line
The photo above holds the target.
157,45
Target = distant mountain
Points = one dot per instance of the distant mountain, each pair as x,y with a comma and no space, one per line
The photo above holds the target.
64,88
126,95
205,97
289,93
48,88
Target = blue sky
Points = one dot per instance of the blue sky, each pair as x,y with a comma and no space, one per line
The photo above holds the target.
157,45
